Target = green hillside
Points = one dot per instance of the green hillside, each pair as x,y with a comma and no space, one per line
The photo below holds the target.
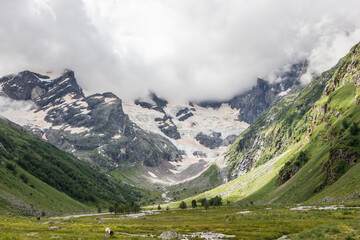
306,148
36,176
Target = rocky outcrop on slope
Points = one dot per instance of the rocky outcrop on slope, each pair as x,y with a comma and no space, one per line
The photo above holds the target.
154,103
214,140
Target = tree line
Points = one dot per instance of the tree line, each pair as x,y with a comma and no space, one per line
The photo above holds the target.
125,208
205,203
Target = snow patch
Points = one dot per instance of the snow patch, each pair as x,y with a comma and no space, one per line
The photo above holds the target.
284,93
117,136
76,130
24,113
110,100
152,174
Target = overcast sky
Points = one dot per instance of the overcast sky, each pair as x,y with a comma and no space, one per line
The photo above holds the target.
183,49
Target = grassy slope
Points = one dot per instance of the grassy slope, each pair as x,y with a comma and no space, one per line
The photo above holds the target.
314,127
21,198
51,171
209,179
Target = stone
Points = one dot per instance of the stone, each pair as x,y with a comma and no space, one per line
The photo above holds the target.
55,228
171,234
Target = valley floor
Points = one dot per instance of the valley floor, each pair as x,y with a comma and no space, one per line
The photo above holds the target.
250,222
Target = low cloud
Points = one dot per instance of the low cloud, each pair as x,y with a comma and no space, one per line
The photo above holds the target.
193,50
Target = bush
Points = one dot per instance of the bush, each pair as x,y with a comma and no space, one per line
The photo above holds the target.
182,205
193,203
354,129
215,201
24,178
11,167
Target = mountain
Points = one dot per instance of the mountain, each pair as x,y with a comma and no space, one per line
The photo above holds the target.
94,128
252,103
37,177
203,131
305,148
190,128
144,142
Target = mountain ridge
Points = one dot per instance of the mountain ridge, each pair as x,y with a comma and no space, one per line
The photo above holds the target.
316,134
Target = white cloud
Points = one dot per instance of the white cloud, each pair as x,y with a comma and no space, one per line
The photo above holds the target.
180,49
328,52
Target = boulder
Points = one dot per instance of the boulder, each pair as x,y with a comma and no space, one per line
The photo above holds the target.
171,234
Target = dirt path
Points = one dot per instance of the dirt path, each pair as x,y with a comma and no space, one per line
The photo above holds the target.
80,215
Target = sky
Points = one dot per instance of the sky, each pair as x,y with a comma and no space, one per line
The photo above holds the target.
179,49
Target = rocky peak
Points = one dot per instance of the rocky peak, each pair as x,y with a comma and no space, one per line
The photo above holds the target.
39,88
20,86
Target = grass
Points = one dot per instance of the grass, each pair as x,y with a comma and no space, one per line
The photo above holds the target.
37,177
209,179
269,222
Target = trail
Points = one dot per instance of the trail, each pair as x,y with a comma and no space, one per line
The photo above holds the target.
80,215
132,215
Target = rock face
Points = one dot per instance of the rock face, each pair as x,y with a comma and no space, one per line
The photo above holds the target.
167,126
171,234
254,102
338,162
155,103
94,128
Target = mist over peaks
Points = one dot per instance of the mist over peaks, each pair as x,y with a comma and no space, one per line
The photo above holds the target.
208,49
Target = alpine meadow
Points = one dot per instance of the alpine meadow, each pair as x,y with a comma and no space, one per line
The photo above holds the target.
179,119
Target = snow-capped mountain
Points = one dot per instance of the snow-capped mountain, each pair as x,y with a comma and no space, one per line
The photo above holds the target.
94,128
203,131
201,134
168,142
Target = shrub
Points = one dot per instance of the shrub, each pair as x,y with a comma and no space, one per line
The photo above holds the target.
193,203
182,205
24,178
354,129
11,167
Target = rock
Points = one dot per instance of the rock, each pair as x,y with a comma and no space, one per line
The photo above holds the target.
171,234
211,141
32,234
184,114
167,126
101,222
156,103
55,228
183,118
199,154
49,223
